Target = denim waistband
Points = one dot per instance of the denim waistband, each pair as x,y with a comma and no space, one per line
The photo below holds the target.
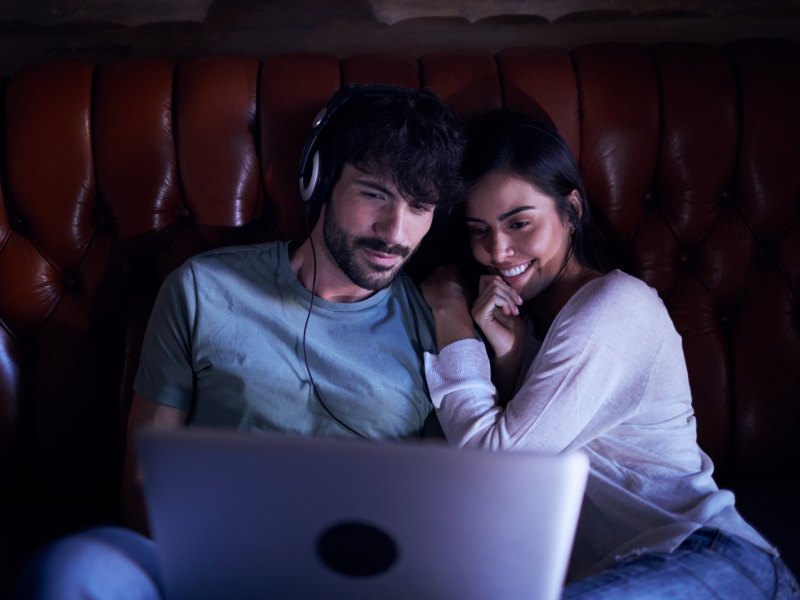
705,537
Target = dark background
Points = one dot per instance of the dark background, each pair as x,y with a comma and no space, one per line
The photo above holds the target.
34,30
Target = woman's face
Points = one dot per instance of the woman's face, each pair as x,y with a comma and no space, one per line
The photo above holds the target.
517,232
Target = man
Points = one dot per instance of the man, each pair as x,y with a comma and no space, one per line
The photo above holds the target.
321,339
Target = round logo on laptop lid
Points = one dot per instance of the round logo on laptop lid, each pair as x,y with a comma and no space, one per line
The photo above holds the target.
356,549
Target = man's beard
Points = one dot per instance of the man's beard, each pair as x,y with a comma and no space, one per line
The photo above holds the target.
342,248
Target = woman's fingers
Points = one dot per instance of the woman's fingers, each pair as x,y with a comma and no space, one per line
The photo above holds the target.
496,295
495,282
496,312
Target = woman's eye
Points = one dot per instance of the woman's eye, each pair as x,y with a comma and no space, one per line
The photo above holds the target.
518,224
477,231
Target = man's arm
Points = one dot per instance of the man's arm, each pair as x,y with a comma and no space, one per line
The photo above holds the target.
143,413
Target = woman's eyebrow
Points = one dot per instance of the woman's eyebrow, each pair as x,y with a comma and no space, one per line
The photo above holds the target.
503,216
513,212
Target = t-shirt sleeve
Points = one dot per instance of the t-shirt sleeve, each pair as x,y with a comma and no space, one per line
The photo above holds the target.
418,318
588,376
166,372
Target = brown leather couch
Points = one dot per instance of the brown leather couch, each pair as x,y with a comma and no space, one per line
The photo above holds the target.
113,174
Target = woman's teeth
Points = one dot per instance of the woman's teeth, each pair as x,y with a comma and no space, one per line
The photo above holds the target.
514,271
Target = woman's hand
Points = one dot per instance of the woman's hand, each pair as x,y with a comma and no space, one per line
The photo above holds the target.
444,289
445,294
496,312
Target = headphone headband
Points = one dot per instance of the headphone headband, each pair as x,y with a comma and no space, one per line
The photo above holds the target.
314,168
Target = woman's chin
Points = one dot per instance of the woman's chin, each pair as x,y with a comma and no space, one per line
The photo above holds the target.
531,288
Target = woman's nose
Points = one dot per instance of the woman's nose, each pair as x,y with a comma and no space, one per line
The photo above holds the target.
500,248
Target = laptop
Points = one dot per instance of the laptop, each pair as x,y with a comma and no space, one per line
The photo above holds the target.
243,515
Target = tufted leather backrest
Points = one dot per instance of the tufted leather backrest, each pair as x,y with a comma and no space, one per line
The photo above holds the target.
112,175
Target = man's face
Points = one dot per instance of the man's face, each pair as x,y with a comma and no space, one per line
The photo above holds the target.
371,229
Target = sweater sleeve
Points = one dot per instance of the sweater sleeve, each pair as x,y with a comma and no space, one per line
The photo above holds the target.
588,376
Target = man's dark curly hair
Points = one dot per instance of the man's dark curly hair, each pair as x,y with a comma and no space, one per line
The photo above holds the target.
407,135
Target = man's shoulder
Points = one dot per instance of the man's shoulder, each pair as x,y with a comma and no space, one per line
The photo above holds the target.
226,264
403,279
403,284
236,254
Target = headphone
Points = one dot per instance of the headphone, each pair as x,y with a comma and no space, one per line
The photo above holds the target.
316,184
316,164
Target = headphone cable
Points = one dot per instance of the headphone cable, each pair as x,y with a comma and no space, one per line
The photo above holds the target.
305,353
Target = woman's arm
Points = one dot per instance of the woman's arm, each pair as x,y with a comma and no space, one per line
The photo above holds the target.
449,302
587,377
495,312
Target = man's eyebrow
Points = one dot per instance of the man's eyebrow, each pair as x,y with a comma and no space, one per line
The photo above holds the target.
374,185
505,215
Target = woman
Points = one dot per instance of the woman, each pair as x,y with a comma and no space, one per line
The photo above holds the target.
584,360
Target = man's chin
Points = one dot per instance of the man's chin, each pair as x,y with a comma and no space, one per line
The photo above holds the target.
377,279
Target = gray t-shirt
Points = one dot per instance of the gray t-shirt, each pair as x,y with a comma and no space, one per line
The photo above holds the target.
225,343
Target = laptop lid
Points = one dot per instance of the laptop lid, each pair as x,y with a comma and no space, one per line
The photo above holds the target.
252,516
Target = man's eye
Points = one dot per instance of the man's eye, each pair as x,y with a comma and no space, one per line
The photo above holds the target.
420,207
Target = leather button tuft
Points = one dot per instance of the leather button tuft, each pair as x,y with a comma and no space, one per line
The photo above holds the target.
69,281
726,313
101,223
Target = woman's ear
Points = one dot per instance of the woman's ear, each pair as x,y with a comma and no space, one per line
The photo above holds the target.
574,200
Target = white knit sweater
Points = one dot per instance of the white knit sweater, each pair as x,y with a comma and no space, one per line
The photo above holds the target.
610,379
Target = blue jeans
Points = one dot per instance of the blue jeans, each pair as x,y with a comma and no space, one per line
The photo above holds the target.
708,564
109,563
114,563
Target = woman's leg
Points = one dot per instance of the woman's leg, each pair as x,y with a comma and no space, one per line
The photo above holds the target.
709,564
106,562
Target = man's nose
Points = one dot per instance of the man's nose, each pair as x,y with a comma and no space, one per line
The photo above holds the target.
390,224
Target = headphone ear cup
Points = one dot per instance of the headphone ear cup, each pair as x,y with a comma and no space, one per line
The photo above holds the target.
324,187
316,165
315,162
308,189
315,188
310,172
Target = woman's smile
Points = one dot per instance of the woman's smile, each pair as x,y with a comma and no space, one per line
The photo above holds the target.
512,272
